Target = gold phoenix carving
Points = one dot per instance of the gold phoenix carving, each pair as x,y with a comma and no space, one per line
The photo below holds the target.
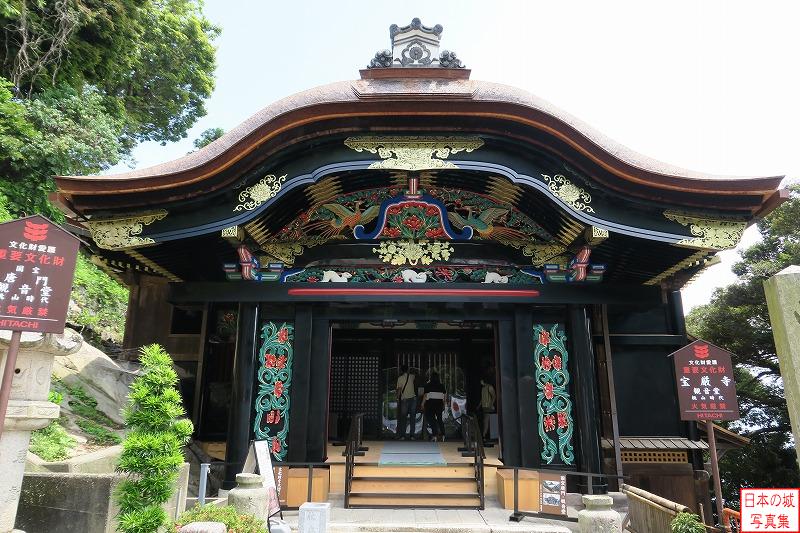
123,232
413,252
261,191
413,152
569,193
709,233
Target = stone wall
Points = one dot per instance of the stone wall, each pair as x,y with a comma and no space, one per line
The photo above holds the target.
58,502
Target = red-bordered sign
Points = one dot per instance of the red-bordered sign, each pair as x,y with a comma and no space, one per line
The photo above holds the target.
706,388
37,266
769,510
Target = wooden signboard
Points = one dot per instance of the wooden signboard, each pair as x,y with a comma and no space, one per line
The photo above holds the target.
706,389
37,265
707,392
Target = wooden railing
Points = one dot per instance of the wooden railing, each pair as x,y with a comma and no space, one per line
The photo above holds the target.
730,520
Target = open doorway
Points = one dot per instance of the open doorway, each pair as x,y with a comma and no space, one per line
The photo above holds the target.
366,358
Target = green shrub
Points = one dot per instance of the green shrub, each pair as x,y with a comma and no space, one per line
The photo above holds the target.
152,451
55,397
235,522
100,300
51,443
686,523
97,433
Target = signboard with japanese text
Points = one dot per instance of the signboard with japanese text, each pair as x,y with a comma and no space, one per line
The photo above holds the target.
706,389
37,265
553,490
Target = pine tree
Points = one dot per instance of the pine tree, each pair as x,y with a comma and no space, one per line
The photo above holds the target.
152,450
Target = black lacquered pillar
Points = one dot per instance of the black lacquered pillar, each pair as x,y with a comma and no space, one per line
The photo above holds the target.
587,406
241,407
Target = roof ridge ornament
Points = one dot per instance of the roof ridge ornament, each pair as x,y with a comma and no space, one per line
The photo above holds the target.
416,46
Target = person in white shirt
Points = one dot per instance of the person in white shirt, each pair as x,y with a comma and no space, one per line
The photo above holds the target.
406,403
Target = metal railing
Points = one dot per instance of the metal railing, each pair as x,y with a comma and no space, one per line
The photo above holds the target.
353,447
204,471
518,515
473,447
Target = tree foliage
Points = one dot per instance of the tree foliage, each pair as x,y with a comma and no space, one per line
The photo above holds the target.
152,60
207,137
152,450
737,319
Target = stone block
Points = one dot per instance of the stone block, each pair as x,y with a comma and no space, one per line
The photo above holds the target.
250,496
314,517
598,516
783,301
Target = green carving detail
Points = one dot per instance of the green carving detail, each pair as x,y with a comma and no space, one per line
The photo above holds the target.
552,400
274,383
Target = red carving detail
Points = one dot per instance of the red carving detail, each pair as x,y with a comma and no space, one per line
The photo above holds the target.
544,338
548,390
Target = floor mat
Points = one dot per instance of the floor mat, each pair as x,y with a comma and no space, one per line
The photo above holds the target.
411,453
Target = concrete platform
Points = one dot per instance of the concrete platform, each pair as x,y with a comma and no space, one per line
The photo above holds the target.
493,519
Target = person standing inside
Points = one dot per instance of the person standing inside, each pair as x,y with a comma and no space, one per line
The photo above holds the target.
433,404
406,403
488,398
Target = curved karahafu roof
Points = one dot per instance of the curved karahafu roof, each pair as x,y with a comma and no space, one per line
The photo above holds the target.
414,118
414,93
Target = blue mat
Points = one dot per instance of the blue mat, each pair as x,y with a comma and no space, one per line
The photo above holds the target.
411,453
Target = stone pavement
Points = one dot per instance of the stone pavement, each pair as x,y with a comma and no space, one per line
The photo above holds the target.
493,519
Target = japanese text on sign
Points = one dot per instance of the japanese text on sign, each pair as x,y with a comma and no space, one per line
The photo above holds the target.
770,510
37,263
706,389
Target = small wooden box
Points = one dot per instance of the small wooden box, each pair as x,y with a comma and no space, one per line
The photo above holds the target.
297,488
528,489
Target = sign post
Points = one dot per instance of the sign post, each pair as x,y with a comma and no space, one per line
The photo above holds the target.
706,392
37,266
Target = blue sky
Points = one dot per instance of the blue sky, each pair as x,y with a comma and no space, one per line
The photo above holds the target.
710,86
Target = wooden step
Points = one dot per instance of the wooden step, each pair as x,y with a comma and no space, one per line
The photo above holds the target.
415,472
416,501
444,486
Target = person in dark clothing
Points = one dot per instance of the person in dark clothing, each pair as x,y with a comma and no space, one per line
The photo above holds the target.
433,403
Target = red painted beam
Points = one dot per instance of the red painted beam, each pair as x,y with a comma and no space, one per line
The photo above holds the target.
335,291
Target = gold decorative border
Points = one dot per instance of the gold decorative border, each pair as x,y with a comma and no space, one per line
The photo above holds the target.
690,261
709,233
261,191
574,196
155,267
119,233
413,152
541,254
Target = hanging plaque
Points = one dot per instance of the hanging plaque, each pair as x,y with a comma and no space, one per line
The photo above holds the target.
704,376
37,265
